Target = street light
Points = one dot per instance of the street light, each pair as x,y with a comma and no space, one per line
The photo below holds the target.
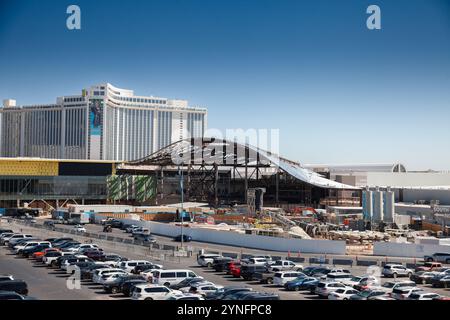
182,216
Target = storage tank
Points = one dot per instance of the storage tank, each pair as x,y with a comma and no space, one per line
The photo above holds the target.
389,206
377,215
367,203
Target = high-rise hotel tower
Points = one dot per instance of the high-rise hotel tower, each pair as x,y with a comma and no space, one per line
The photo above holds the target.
103,123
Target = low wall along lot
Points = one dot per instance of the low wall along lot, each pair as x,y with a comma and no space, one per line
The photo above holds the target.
246,240
407,249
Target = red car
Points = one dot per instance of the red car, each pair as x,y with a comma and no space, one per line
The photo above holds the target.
38,255
236,272
233,265
429,266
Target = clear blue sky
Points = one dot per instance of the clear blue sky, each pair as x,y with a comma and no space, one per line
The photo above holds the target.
338,92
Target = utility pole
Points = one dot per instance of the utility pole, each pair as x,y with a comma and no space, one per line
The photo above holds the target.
182,198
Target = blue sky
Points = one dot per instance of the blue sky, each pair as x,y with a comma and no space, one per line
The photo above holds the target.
338,92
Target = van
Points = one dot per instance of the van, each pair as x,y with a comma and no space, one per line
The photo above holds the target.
171,277
131,264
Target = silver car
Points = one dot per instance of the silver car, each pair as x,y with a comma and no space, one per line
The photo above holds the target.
396,270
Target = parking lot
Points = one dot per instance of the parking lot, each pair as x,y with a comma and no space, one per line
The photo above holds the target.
47,283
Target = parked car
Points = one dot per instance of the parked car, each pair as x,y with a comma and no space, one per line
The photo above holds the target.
40,254
79,228
207,259
257,261
171,276
225,292
6,277
342,294
236,271
99,273
18,286
145,238
396,270
391,285
248,271
300,283
72,260
81,246
337,276
367,294
404,292
130,228
187,283
423,277
234,264
362,283
113,259
185,296
280,278
146,267
424,296
185,238
429,266
443,257
441,282
220,264
324,288
152,292
11,295
12,240
202,288
282,265
29,251
129,265
127,286
260,296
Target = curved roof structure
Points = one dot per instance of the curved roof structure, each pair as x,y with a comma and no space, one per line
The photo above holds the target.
221,152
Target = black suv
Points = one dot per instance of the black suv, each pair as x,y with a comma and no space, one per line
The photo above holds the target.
18,286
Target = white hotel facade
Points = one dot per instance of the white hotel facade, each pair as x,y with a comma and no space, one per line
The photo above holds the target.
103,123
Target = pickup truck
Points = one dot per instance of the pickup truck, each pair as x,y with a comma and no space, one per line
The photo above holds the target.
247,272
264,276
429,266
438,257
281,265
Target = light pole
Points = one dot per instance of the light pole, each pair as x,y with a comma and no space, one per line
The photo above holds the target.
182,216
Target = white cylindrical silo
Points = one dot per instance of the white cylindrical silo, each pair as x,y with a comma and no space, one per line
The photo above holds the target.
389,206
377,215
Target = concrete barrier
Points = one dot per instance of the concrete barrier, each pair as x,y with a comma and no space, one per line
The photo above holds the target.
318,261
246,240
366,263
412,250
296,259
343,262
230,254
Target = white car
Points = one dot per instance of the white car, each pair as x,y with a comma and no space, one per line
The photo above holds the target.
362,281
423,296
196,285
24,245
50,258
396,270
70,261
389,286
130,264
79,228
280,278
342,293
153,292
280,265
324,288
403,293
111,277
82,246
101,272
207,259
338,276
186,296
204,289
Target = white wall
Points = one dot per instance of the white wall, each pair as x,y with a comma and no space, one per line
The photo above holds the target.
407,249
245,240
